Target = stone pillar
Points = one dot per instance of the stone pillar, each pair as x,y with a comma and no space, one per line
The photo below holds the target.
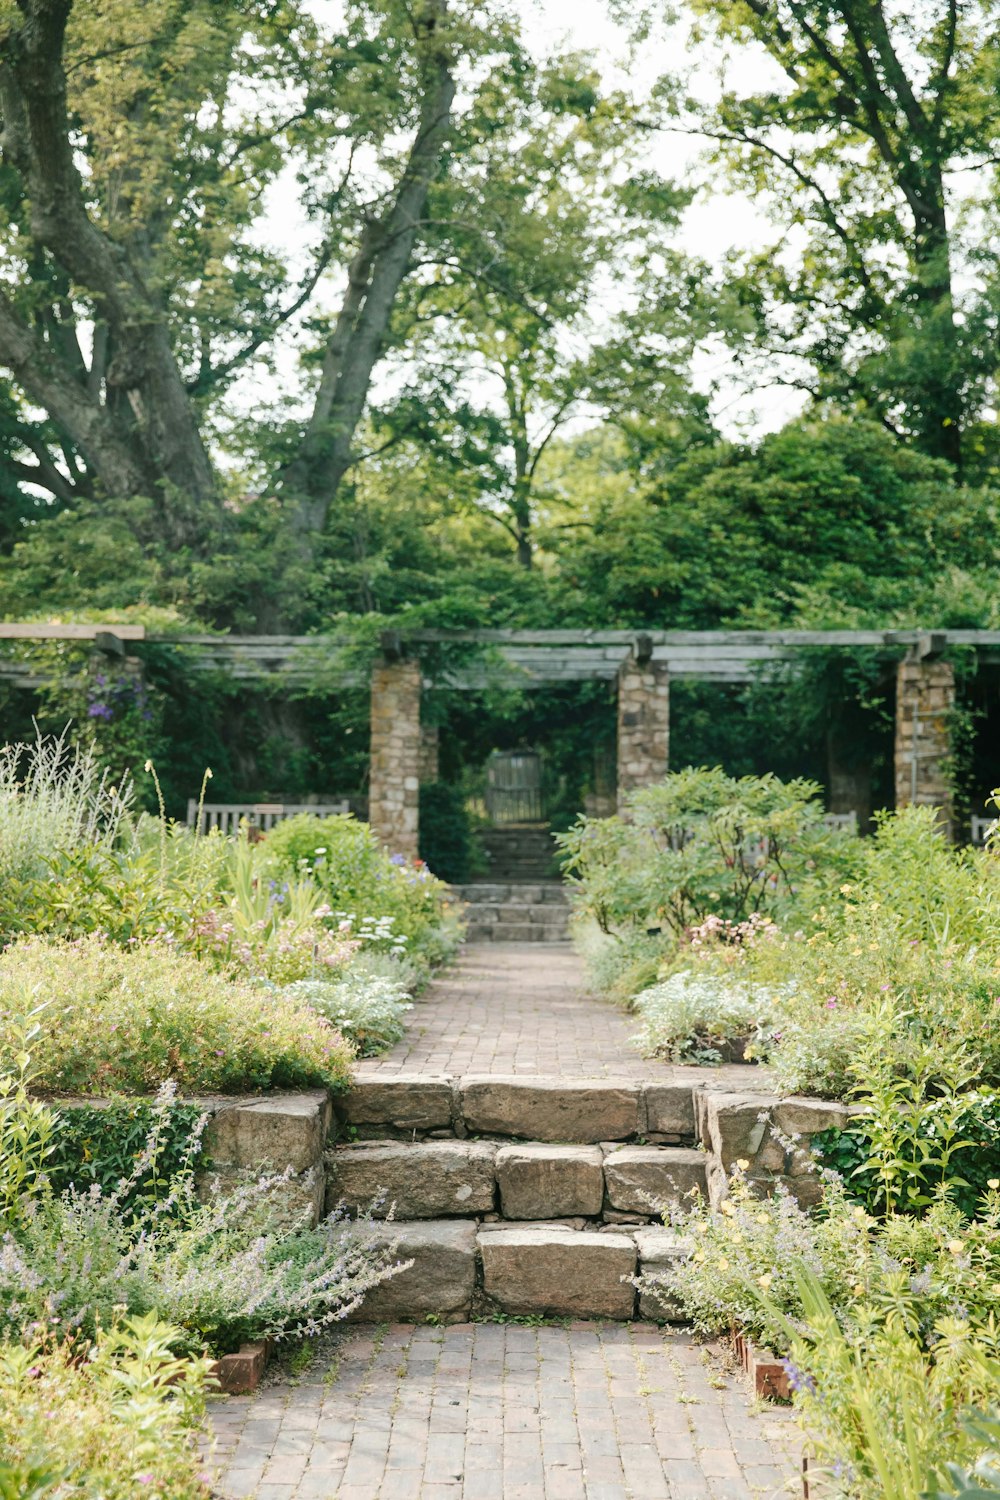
643,724
430,753
925,692
394,766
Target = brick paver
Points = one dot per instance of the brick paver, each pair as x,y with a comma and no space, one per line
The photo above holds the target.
486,1411
491,1411
524,1008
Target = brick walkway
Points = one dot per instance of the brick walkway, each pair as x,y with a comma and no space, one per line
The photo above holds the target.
524,1008
496,1411
504,1412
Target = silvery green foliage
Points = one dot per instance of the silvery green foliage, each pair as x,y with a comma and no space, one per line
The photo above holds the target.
55,798
365,1005
691,1015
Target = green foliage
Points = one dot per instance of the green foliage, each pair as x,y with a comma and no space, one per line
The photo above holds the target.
100,1144
121,1020
741,1265
884,1414
865,151
116,1418
362,882
27,1129
368,1009
950,1145
240,1265
446,844
701,844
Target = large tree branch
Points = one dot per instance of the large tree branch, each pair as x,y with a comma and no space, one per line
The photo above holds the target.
37,141
46,381
373,282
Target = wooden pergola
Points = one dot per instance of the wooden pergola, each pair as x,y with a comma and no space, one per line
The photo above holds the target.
642,663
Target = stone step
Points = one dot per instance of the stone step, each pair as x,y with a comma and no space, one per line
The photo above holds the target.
536,1180
527,1106
549,893
514,932
457,1269
517,911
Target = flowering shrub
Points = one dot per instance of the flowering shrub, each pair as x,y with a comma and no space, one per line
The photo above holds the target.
113,1420
223,1271
122,1019
368,1009
362,883
703,844
751,1248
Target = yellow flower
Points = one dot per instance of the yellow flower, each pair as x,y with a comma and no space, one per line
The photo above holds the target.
743,1164
993,1183
761,1218
765,1280
723,1264
702,1228
727,1209
737,1239
698,1255
956,1247
845,890
859,1213
858,1289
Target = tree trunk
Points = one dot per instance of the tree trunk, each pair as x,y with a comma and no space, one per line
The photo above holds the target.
309,484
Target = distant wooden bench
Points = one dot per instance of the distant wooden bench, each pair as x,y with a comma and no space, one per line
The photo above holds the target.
227,816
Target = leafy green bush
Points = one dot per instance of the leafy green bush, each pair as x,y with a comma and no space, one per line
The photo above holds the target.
703,844
120,1020
886,1409
101,1143
108,1421
446,844
973,1120
363,883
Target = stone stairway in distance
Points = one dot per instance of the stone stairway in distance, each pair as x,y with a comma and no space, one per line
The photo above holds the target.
515,912
523,1194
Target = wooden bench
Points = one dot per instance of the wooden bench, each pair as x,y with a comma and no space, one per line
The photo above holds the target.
227,816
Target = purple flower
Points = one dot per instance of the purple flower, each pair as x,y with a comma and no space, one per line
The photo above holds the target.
397,859
99,711
799,1379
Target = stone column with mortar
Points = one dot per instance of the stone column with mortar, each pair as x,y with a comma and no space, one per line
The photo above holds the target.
643,720
394,767
925,696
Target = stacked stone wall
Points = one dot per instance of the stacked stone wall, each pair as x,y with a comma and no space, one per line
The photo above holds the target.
643,725
394,785
925,695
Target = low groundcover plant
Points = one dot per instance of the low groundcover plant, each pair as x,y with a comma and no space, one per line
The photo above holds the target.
122,1019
